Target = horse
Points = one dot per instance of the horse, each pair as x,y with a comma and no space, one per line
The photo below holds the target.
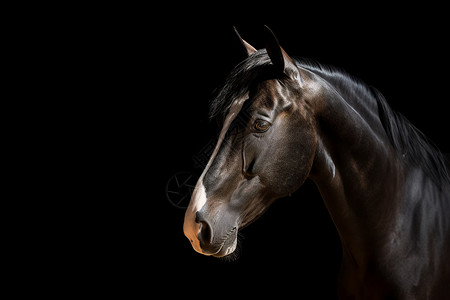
384,184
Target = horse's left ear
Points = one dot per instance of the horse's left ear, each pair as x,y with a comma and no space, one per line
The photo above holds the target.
280,59
249,49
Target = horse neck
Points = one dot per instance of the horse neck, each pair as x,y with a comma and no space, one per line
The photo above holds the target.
352,163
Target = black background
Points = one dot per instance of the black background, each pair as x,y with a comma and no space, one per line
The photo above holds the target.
159,80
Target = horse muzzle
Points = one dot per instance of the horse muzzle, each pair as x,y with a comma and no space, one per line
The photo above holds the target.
210,233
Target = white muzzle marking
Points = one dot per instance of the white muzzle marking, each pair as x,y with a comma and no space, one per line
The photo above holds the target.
198,199
190,227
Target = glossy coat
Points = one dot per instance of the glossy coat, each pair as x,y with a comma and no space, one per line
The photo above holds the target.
386,188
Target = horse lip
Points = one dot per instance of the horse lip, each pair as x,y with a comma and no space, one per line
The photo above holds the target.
230,248
225,247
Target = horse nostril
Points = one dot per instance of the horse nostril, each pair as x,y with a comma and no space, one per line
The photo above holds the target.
205,234
205,230
197,217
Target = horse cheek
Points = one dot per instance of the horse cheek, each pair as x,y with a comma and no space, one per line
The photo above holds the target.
289,165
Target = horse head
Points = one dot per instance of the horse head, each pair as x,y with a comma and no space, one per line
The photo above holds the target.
265,149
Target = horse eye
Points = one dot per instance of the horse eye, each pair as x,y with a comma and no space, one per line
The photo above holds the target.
261,125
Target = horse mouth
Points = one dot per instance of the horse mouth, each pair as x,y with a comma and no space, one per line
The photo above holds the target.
228,244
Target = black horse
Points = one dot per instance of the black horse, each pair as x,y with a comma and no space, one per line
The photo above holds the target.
385,186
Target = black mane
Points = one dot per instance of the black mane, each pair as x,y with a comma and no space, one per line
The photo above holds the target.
238,83
410,144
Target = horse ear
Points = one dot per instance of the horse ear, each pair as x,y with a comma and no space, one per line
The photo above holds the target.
249,49
280,59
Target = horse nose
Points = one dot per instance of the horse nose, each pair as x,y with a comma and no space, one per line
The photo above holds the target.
205,233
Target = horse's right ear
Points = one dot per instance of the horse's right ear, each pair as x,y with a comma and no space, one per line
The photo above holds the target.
280,59
249,49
